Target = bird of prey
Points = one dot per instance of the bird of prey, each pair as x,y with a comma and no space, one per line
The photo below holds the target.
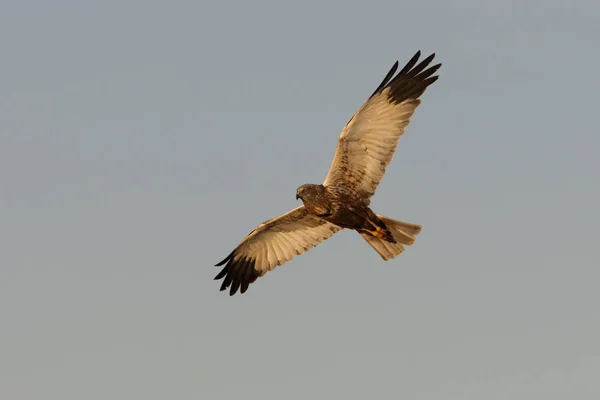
365,148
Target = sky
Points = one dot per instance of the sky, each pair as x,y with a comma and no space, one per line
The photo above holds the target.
140,141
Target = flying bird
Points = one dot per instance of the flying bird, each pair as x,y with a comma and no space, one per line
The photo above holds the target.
365,148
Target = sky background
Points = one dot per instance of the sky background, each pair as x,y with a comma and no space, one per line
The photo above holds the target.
140,141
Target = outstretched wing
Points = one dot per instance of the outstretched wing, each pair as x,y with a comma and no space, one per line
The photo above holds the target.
271,244
368,142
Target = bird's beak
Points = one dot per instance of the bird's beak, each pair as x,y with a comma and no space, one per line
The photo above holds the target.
297,196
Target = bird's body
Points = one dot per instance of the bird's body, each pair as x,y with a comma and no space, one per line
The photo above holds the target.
343,209
365,148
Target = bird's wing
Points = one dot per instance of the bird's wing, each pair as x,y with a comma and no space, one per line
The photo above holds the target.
368,142
271,244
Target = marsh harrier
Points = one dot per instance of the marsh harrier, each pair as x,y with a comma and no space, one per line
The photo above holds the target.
365,148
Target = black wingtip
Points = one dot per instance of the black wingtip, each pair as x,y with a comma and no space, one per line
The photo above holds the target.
413,79
429,58
237,274
222,274
225,260
411,63
387,78
410,70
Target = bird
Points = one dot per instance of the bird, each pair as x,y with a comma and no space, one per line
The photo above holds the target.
364,150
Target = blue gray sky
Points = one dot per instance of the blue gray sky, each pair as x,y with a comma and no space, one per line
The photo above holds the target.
140,141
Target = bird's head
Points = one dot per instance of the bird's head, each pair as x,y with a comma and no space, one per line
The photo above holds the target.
300,191
306,191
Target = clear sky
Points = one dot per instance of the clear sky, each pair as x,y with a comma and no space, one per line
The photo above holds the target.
140,141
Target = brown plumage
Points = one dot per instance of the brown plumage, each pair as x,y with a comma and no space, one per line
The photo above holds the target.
365,148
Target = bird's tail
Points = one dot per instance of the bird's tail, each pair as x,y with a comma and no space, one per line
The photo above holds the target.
403,234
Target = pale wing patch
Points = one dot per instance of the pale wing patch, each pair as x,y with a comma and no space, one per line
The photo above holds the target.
368,143
271,244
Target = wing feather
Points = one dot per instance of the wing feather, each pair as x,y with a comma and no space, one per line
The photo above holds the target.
368,142
271,244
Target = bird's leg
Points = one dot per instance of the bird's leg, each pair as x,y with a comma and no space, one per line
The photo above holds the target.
326,213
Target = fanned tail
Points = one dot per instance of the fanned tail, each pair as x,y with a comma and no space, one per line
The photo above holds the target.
402,233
